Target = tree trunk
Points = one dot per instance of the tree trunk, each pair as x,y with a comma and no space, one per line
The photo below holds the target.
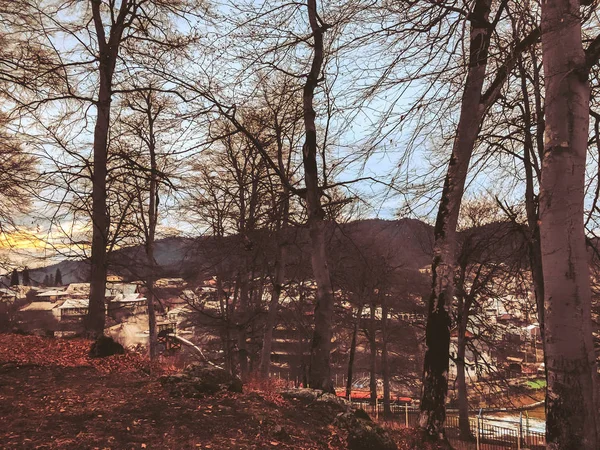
531,207
151,235
320,370
463,400
353,352
242,326
107,57
96,316
572,393
152,337
279,278
437,333
372,356
385,370
225,320
265,357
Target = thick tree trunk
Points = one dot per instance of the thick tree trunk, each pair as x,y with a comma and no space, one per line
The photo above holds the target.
437,334
572,393
372,356
107,57
320,370
353,353
96,316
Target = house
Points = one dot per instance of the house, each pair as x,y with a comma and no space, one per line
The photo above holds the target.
115,289
15,293
79,290
39,315
74,309
114,278
123,306
8,295
52,295
514,367
170,282
82,290
178,314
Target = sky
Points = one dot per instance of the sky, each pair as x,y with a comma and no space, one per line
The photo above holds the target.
37,236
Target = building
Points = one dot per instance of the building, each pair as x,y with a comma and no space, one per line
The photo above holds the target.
52,295
74,309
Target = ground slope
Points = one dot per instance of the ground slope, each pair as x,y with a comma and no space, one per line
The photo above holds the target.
53,397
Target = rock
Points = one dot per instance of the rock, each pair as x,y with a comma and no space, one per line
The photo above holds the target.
198,381
363,433
280,433
20,331
362,414
334,400
105,346
236,385
301,394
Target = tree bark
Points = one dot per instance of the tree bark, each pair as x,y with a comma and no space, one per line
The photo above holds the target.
437,334
152,337
97,307
353,352
463,401
107,56
320,371
572,392
531,206
151,235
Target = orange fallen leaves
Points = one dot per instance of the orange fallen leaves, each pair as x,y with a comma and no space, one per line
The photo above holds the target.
44,351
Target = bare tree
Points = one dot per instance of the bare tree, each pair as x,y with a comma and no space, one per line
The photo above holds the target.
17,175
475,103
572,396
152,116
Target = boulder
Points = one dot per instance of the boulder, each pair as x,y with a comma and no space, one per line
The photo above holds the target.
333,399
301,394
363,433
198,381
105,346
280,433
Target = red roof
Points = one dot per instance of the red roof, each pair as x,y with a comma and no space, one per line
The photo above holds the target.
366,395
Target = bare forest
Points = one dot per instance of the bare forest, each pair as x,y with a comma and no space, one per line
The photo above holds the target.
312,224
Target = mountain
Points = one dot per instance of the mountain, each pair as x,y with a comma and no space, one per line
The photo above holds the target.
403,243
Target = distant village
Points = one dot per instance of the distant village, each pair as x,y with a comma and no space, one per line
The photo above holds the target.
503,341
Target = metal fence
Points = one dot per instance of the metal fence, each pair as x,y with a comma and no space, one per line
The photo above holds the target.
487,433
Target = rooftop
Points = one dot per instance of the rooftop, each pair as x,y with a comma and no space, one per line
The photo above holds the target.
75,303
39,306
52,293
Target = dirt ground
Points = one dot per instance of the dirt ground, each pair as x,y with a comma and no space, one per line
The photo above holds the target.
53,397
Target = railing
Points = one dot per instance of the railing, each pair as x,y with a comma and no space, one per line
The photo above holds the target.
487,433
